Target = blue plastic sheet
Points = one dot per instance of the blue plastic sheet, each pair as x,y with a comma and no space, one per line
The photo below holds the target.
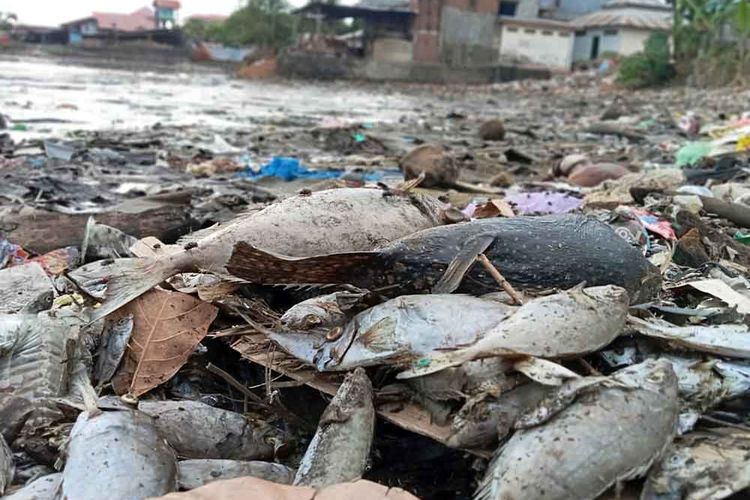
291,169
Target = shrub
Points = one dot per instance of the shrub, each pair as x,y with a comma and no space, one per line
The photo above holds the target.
649,67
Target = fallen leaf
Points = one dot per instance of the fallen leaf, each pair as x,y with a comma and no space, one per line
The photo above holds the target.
723,292
494,208
167,326
251,488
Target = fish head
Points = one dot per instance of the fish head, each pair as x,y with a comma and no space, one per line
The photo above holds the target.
331,353
318,312
656,375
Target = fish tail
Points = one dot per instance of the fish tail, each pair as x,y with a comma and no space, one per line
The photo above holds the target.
435,363
126,280
262,267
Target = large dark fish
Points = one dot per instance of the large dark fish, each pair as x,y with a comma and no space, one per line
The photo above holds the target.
531,252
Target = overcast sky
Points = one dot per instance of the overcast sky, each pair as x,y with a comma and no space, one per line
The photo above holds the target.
54,12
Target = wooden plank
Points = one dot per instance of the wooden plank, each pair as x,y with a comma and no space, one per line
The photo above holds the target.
409,416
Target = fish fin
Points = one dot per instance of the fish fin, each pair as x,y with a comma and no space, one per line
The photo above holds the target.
259,266
544,372
380,336
433,364
462,262
125,279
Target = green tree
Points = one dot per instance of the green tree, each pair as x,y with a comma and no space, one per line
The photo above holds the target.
7,20
266,23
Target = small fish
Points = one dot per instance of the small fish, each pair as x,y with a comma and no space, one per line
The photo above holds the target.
197,430
724,340
325,311
566,324
480,424
702,465
612,432
557,251
7,468
44,488
193,474
398,331
119,452
337,220
341,446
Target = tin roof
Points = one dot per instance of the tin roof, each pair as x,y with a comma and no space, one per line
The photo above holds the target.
388,5
627,17
167,4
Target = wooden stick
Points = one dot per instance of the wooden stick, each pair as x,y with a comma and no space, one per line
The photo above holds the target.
236,384
495,273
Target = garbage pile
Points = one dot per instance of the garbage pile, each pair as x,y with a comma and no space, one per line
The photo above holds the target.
172,327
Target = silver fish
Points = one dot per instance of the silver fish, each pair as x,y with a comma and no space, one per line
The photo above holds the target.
325,311
398,331
337,220
569,323
118,454
195,473
341,446
7,467
702,466
480,424
613,431
44,488
197,430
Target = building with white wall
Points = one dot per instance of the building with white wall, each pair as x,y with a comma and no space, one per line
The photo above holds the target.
620,27
535,42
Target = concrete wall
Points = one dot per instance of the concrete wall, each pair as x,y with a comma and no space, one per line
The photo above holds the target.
632,41
392,49
607,43
540,46
569,9
527,9
627,41
426,29
467,36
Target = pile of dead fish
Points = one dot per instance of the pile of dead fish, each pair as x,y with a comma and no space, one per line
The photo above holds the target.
572,357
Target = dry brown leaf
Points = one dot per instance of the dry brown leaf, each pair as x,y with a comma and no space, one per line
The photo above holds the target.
494,208
252,488
167,326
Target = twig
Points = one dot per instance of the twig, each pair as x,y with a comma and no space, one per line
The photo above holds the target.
235,383
590,369
725,424
517,297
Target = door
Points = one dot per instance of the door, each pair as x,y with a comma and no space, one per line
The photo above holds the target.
595,47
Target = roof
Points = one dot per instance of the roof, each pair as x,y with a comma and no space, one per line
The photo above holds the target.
208,17
389,5
536,23
167,4
643,4
365,8
626,17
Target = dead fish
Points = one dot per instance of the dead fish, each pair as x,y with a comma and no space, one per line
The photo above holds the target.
7,468
724,340
325,311
337,220
566,324
115,339
44,488
341,446
105,242
480,424
489,375
118,454
193,474
442,259
398,331
610,433
197,430
702,466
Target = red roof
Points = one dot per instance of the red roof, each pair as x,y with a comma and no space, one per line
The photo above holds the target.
208,17
142,19
167,4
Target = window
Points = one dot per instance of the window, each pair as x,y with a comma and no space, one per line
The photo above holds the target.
507,9
512,30
473,4
529,30
563,34
610,32
581,33
547,33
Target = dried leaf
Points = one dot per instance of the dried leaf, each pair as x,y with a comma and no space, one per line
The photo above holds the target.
494,208
250,488
167,326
